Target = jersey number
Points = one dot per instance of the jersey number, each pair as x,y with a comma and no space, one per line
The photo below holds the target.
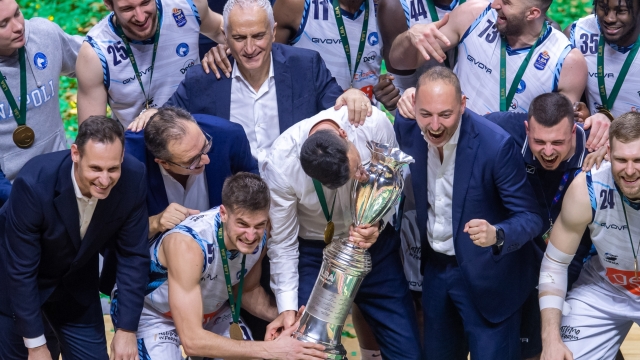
589,43
421,11
119,53
209,254
316,8
607,199
491,35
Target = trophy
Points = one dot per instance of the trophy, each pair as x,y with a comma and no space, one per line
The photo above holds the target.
344,264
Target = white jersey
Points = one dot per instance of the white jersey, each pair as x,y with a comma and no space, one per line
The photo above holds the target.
478,66
613,267
319,31
585,34
417,12
202,228
177,52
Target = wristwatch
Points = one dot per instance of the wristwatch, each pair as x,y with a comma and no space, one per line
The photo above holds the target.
499,237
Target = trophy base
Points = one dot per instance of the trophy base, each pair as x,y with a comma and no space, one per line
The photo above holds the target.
335,352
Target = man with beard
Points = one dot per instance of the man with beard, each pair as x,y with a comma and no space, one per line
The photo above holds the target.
140,39
602,304
609,38
507,53
476,225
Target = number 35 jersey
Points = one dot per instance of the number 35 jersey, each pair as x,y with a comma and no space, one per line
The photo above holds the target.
585,35
177,52
613,267
478,66
201,228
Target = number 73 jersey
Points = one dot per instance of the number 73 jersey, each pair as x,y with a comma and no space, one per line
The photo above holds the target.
478,66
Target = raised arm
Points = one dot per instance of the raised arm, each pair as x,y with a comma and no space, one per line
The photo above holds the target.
565,238
423,41
211,23
392,22
288,15
92,94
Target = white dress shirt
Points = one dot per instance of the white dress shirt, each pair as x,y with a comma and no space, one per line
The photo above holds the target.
86,207
295,208
440,195
257,112
196,194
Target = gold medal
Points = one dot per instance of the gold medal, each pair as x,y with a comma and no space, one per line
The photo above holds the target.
603,110
23,136
328,232
235,332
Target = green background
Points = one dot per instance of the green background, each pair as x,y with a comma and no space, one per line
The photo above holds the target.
78,16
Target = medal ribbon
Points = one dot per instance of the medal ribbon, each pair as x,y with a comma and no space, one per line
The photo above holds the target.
624,209
608,102
345,40
433,14
132,59
19,113
235,304
323,201
506,99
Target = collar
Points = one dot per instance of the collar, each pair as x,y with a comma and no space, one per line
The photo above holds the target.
355,15
76,189
524,50
572,163
633,204
449,7
620,49
235,72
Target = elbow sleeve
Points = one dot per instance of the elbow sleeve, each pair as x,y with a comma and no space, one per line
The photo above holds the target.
552,285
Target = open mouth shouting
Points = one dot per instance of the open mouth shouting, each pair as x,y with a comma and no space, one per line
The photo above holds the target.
548,161
436,134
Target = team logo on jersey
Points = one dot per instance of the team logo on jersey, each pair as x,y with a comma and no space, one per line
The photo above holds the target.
182,49
370,57
522,86
479,64
531,169
189,63
178,16
40,61
624,278
610,258
373,39
542,60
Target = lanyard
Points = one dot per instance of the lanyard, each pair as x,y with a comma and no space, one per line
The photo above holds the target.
433,14
345,40
557,196
19,114
635,257
156,39
235,304
607,103
505,99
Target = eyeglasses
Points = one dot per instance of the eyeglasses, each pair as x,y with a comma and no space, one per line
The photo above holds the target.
196,161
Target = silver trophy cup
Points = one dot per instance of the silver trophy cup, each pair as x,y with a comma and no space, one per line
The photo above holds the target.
344,264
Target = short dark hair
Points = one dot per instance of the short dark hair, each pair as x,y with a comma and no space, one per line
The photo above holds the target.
628,3
166,125
550,109
440,73
100,129
324,157
245,191
625,128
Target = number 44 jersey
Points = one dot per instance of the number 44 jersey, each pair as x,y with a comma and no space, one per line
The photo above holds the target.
478,66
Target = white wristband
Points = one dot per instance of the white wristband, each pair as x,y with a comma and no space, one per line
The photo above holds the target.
555,302
35,342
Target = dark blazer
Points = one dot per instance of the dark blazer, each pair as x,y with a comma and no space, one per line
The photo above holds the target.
229,154
44,257
5,188
304,87
490,183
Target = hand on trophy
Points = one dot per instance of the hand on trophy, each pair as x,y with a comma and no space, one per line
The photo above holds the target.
284,321
364,235
286,347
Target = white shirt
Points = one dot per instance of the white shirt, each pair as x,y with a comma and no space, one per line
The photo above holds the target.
86,206
257,112
440,195
196,194
295,209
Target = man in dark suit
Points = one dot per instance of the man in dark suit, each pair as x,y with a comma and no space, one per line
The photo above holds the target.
175,188
477,216
63,208
5,188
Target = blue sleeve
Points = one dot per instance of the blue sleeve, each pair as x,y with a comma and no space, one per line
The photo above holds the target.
512,123
5,188
180,98
132,252
524,222
241,157
327,88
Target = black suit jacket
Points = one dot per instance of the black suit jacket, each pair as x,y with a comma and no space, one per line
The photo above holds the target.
304,87
43,255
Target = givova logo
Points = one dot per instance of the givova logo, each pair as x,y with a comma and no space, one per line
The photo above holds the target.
479,64
326,41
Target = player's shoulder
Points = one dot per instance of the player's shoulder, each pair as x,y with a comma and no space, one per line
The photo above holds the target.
38,24
588,22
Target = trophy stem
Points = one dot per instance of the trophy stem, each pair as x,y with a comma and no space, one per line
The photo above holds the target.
344,267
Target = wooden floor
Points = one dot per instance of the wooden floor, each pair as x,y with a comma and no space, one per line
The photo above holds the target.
630,347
